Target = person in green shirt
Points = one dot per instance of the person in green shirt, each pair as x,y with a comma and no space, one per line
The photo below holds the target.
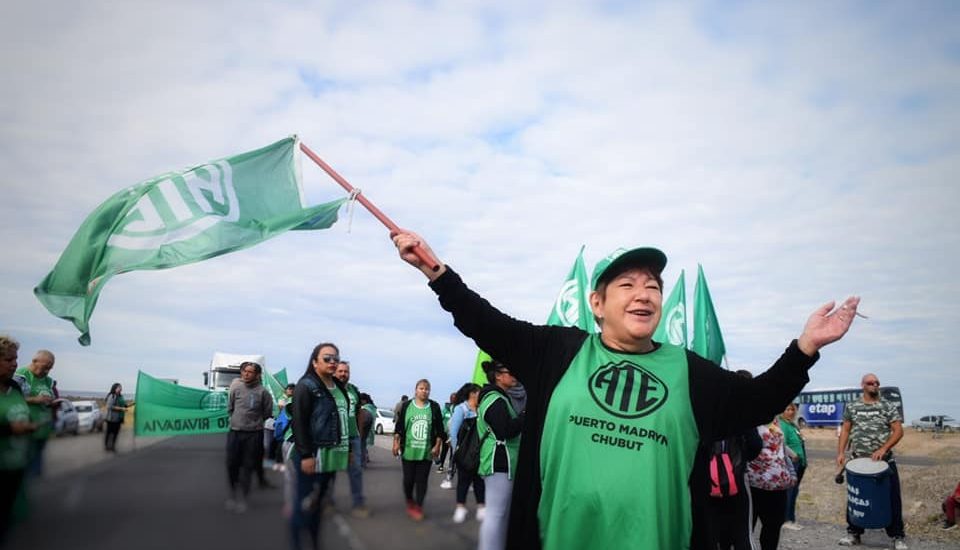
355,466
321,438
614,419
417,438
793,439
498,426
38,389
15,429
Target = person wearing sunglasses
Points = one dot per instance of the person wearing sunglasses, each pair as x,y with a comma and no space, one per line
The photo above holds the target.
871,428
321,440
614,419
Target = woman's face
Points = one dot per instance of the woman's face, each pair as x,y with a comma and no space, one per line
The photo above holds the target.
472,399
790,412
422,391
326,362
629,310
8,364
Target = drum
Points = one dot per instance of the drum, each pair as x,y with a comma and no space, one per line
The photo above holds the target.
868,493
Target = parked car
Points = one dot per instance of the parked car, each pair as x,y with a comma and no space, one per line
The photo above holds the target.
66,419
91,417
930,423
383,423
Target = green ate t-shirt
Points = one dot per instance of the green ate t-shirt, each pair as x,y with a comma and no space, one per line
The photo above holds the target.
352,409
417,444
41,415
332,459
617,450
13,448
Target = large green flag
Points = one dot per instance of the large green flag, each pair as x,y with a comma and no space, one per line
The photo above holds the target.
707,340
165,408
180,218
281,376
673,319
570,309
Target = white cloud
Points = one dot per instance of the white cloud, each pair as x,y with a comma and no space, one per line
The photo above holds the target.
800,154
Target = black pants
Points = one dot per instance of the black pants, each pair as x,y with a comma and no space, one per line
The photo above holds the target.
464,480
110,439
771,508
443,453
10,481
728,520
415,475
244,449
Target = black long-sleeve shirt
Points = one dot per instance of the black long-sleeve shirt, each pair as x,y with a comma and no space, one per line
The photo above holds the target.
722,402
504,426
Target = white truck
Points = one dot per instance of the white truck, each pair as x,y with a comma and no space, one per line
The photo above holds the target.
225,368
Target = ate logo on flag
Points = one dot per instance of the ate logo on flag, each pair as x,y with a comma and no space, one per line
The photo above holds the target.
179,207
567,307
676,326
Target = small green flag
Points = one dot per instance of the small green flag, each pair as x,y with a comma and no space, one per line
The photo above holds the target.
180,218
707,340
281,376
572,308
164,408
673,318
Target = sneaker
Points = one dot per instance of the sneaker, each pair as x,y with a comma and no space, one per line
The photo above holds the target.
459,514
948,526
850,540
414,511
792,525
900,544
481,513
361,512
440,469
446,484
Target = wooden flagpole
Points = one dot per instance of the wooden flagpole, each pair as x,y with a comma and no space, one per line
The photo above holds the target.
428,260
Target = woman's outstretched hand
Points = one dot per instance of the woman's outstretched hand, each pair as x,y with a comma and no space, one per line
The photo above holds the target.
827,325
405,242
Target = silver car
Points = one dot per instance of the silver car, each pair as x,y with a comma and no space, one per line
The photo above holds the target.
90,416
66,419
930,423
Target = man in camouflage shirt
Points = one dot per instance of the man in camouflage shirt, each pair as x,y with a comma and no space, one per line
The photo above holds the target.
872,428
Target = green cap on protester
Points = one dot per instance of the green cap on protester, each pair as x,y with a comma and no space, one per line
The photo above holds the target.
618,260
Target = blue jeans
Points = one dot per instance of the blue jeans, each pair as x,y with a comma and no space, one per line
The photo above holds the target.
895,529
306,485
793,493
355,470
35,466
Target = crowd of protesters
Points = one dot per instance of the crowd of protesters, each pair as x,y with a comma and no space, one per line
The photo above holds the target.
525,448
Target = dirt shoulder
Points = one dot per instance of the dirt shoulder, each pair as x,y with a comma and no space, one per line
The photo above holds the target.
923,487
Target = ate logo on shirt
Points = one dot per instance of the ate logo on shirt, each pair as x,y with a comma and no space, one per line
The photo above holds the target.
627,390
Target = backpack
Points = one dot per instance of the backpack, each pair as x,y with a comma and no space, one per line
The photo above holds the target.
467,455
725,468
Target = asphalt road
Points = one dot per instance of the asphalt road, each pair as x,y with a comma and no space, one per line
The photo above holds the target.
170,495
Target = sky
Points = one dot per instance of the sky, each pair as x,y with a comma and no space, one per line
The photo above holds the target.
799,152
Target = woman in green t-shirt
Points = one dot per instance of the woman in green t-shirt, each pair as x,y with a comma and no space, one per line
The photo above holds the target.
15,427
417,439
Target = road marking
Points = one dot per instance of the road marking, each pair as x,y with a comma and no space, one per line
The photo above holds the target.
346,532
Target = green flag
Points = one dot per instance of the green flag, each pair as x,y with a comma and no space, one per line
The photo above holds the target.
165,408
181,218
707,340
673,319
571,308
275,388
480,377
281,376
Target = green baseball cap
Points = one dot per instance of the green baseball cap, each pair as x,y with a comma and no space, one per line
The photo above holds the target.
621,258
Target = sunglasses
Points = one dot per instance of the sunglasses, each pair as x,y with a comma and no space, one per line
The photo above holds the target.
871,383
503,371
330,358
